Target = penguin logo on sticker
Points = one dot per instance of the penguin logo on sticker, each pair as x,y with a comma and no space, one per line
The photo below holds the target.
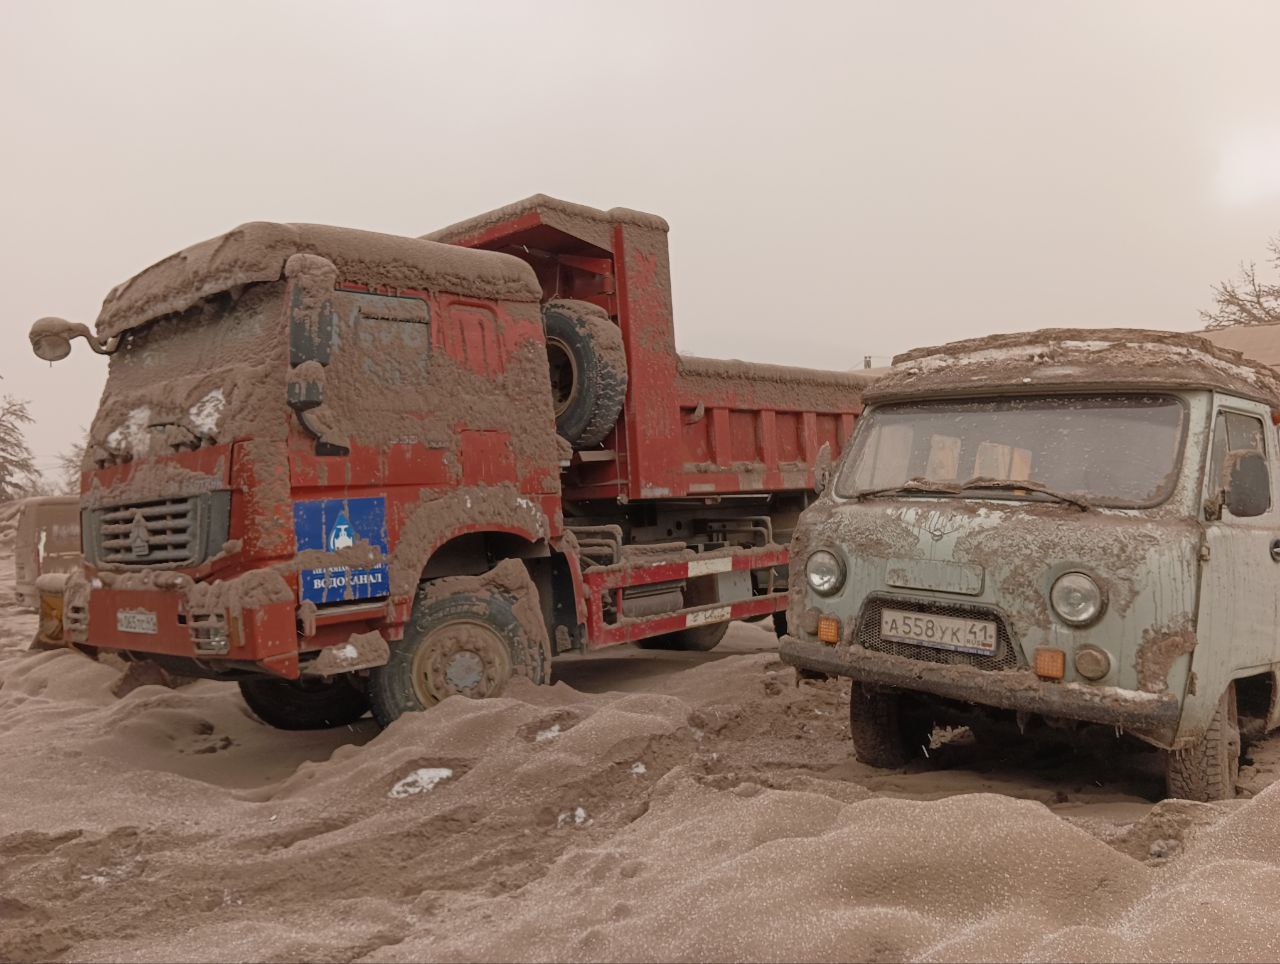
340,536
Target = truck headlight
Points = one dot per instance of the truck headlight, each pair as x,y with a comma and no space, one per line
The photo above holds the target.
1076,599
824,572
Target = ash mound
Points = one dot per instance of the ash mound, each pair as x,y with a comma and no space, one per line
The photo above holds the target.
713,814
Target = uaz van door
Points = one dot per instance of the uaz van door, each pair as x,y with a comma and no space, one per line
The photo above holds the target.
1240,577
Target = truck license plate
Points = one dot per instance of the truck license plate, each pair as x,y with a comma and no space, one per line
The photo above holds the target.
939,632
136,621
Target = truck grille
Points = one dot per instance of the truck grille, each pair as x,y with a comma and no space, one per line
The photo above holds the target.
159,533
867,633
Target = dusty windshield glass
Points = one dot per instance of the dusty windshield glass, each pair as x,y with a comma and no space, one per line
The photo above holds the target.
1119,450
212,374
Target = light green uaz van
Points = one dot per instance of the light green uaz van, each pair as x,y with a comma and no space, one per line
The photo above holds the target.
1082,526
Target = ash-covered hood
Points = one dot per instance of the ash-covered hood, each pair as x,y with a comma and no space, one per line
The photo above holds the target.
1007,554
257,252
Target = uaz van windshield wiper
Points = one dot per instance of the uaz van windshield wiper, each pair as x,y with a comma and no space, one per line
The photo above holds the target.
1029,485
922,486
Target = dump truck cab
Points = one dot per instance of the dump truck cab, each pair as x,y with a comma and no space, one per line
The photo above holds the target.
1082,526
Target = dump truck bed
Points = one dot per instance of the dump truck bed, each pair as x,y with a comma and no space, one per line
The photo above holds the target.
690,426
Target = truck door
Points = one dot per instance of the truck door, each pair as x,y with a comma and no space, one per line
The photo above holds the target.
1240,580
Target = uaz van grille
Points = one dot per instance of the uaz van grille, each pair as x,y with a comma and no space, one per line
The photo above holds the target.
868,633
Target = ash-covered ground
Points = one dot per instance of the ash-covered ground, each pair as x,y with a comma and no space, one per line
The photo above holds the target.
647,806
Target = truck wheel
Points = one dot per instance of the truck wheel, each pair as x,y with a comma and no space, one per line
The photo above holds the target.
309,703
463,643
701,639
1207,769
588,370
887,729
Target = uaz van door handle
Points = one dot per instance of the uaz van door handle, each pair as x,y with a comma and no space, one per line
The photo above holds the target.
1275,550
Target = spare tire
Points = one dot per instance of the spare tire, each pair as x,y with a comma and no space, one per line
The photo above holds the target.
588,367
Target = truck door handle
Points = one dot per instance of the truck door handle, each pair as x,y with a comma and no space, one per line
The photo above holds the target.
1275,550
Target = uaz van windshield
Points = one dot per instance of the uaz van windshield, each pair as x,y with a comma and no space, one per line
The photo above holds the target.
1116,450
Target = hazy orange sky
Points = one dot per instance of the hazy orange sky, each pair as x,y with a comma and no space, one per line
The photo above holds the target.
842,179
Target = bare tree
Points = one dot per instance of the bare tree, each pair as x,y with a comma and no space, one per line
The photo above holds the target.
1247,299
18,475
69,463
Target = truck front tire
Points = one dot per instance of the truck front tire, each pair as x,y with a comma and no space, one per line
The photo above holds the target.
1207,770
309,703
887,730
467,643
588,368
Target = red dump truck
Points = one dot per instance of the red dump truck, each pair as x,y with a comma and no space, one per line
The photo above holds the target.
356,471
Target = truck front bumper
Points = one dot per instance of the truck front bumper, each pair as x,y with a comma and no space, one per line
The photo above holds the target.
1005,689
157,621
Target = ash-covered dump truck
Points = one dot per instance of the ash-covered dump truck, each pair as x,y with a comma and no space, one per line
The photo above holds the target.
1068,526
351,470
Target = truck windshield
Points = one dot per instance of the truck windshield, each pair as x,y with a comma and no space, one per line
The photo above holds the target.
210,375
1116,450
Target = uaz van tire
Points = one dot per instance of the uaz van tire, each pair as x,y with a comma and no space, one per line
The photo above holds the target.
887,729
1207,770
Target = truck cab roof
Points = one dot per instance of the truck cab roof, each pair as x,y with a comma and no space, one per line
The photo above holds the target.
257,252
1071,360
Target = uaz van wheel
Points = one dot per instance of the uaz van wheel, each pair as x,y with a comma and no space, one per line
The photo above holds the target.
1207,770
588,368
464,643
305,704
887,728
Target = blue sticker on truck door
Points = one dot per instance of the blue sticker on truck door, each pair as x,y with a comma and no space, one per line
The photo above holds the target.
332,524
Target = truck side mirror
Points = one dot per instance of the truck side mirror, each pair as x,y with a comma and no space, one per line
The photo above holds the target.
305,387
51,339
1248,484
312,320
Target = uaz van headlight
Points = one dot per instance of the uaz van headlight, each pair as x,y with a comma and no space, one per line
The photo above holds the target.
1076,599
824,572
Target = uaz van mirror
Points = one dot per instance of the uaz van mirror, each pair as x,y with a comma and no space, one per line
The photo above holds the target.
1248,484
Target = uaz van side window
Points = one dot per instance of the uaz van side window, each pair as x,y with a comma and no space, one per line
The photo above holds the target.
1234,434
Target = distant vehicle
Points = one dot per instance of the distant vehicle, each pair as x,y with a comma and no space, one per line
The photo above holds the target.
46,549
1080,526
355,471
47,541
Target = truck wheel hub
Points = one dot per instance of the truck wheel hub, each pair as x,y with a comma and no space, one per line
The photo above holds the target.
463,657
564,375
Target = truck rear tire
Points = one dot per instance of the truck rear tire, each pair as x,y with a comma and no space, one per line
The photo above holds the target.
310,703
887,729
1207,770
588,367
700,639
467,643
